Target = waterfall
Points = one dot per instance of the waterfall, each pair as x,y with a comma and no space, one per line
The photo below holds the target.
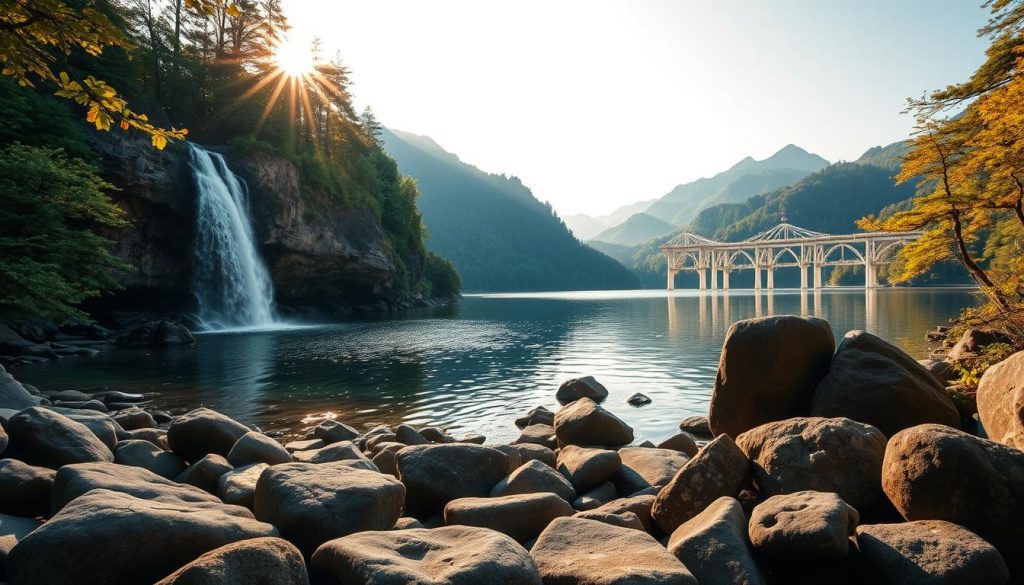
231,282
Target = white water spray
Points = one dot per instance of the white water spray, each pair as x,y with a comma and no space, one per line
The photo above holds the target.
231,282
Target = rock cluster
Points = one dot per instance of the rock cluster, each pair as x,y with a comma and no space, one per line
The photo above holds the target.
38,340
798,484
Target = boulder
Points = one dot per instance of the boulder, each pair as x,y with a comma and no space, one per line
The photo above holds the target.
148,456
372,442
821,454
473,438
105,428
313,503
437,474
876,383
409,436
24,489
339,451
332,431
1001,401
973,342
621,519
644,467
521,516
943,370
585,387
448,555
205,474
696,425
156,436
533,452
134,418
201,431
304,445
768,370
538,434
536,415
4,439
436,435
43,437
515,460
13,394
37,330
238,486
386,461
640,506
719,469
11,343
107,537
535,477
932,472
803,526
714,546
407,522
254,447
587,468
682,442
255,561
930,552
638,400
579,551
596,497
156,334
13,529
584,422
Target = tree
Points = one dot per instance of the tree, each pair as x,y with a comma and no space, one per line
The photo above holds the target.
50,258
371,127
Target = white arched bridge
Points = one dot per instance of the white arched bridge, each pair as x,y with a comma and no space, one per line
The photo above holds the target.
783,246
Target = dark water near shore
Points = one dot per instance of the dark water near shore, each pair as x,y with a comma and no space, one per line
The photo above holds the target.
476,366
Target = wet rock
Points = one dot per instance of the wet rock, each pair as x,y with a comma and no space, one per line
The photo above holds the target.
1001,401
148,456
930,552
43,437
12,530
588,552
586,468
436,435
69,396
521,516
205,474
407,435
437,474
535,477
695,425
719,469
638,400
340,451
473,439
538,434
255,447
682,442
156,334
596,497
314,503
876,383
24,489
255,561
107,537
238,486
974,341
644,467
768,370
134,418
536,415
451,554
118,397
584,422
201,431
713,545
821,454
803,525
332,431
585,387
933,472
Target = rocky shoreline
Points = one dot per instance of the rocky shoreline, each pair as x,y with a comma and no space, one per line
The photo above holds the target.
815,464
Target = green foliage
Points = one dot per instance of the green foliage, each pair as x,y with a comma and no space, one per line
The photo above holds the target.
38,120
440,277
50,258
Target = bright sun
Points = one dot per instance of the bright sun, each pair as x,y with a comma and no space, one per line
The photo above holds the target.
293,58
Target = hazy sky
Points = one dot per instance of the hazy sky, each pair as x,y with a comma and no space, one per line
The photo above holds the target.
595,104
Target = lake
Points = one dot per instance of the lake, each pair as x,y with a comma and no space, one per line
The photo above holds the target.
475,366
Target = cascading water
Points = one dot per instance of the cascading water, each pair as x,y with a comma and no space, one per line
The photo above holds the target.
231,283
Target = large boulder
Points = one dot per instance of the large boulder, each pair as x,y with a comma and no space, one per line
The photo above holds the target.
313,503
24,489
640,506
157,334
201,431
254,447
821,454
47,438
587,468
932,472
973,342
1001,401
13,529
238,486
12,394
332,431
255,561
437,474
535,477
714,546
521,516
339,451
107,537
584,422
585,387
148,456
719,469
768,370
646,467
13,343
536,415
105,428
72,481
452,555
930,552
134,418
205,474
682,442
876,383
538,434
803,526
580,551
596,497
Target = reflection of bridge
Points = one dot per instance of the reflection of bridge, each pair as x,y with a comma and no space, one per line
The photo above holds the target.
783,246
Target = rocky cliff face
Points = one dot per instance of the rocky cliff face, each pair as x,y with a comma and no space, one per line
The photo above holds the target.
319,255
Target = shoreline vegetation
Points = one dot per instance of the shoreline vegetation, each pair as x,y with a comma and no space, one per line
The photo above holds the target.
841,467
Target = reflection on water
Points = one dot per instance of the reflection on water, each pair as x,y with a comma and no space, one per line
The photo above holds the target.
477,366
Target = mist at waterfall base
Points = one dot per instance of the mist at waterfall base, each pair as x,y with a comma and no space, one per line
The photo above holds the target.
231,284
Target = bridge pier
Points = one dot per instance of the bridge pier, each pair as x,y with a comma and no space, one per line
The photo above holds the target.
870,275
703,278
672,279
725,279
757,278
771,278
714,278
816,268
803,277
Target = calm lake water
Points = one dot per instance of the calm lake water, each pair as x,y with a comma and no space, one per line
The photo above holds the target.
476,366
